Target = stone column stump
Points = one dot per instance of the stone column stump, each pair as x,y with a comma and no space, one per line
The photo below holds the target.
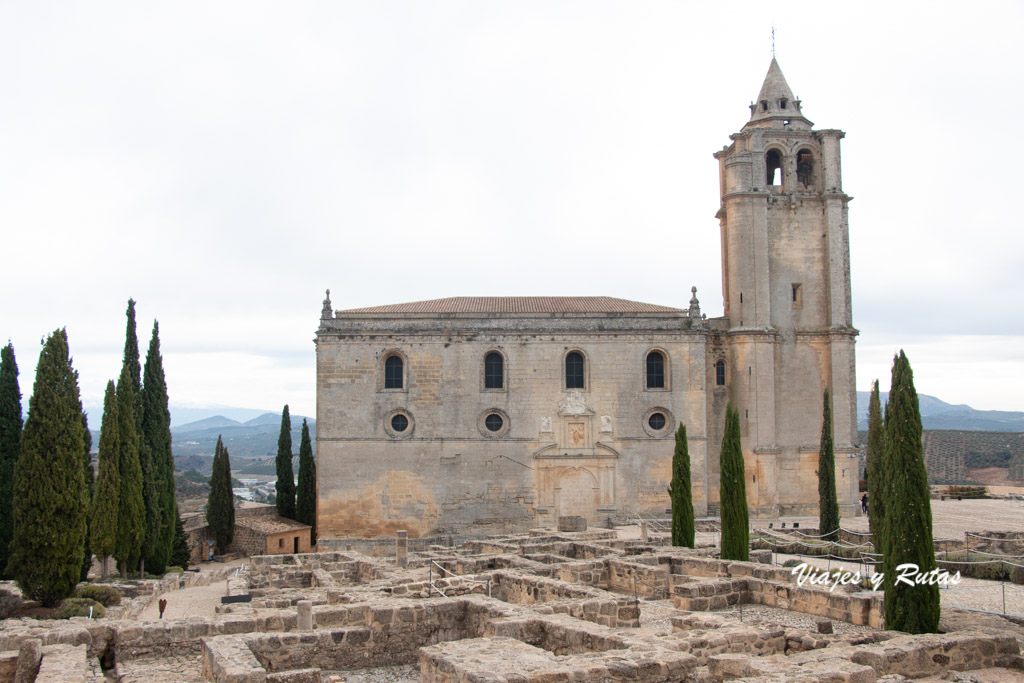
402,548
305,615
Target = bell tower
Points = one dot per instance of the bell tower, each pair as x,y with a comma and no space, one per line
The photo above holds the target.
786,288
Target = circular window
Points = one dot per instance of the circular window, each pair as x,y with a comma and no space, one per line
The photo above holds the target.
399,424
658,422
493,423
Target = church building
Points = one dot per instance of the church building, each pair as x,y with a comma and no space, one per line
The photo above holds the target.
472,415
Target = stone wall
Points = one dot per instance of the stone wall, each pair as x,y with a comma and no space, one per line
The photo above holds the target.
372,482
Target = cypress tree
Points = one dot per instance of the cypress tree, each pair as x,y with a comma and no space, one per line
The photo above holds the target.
733,492
151,513
873,468
305,499
10,448
90,485
49,487
911,608
681,493
220,505
285,489
103,514
131,516
181,555
156,434
828,506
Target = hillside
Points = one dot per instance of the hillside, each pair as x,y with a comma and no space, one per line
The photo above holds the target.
972,457
937,414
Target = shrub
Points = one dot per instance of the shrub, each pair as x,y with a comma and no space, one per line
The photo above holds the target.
791,563
105,595
175,570
79,607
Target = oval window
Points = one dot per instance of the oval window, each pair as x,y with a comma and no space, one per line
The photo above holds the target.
656,421
399,423
494,422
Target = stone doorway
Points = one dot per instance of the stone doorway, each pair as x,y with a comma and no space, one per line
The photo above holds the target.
577,493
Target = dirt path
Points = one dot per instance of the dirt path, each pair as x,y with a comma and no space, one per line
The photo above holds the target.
199,601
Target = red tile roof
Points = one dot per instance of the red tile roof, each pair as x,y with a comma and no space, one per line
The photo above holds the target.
519,304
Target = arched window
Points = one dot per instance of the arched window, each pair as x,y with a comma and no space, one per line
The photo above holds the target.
773,166
393,372
720,373
494,371
574,370
655,370
805,167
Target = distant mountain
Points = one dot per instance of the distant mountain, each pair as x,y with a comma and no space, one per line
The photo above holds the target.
271,419
255,439
217,421
937,414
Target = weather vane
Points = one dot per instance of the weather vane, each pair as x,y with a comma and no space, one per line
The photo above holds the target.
773,40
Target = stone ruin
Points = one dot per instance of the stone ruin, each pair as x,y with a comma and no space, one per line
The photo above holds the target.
540,607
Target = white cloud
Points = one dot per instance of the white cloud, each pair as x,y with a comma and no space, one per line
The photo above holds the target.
225,163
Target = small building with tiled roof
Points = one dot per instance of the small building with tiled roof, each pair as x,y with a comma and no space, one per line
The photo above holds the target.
468,415
259,530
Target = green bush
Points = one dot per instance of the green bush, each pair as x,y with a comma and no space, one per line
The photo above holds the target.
791,563
79,607
175,570
105,595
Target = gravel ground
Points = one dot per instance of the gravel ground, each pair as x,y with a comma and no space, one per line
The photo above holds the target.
950,518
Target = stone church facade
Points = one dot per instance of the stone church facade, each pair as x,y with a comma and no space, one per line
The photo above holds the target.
475,415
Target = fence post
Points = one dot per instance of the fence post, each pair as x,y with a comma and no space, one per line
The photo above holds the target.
1002,582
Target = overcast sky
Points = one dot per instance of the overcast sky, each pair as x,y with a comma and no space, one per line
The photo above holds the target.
224,163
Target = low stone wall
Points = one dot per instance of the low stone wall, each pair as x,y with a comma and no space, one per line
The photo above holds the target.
390,636
649,581
95,634
555,597
716,594
914,656
449,587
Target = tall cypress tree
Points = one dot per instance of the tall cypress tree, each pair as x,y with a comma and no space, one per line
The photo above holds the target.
285,474
305,499
10,448
181,554
681,493
733,492
131,516
90,485
220,505
873,468
828,506
156,434
910,608
49,486
105,508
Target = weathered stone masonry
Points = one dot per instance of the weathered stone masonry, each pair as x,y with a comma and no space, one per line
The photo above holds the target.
437,449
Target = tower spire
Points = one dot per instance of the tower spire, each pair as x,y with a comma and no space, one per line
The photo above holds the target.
775,105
